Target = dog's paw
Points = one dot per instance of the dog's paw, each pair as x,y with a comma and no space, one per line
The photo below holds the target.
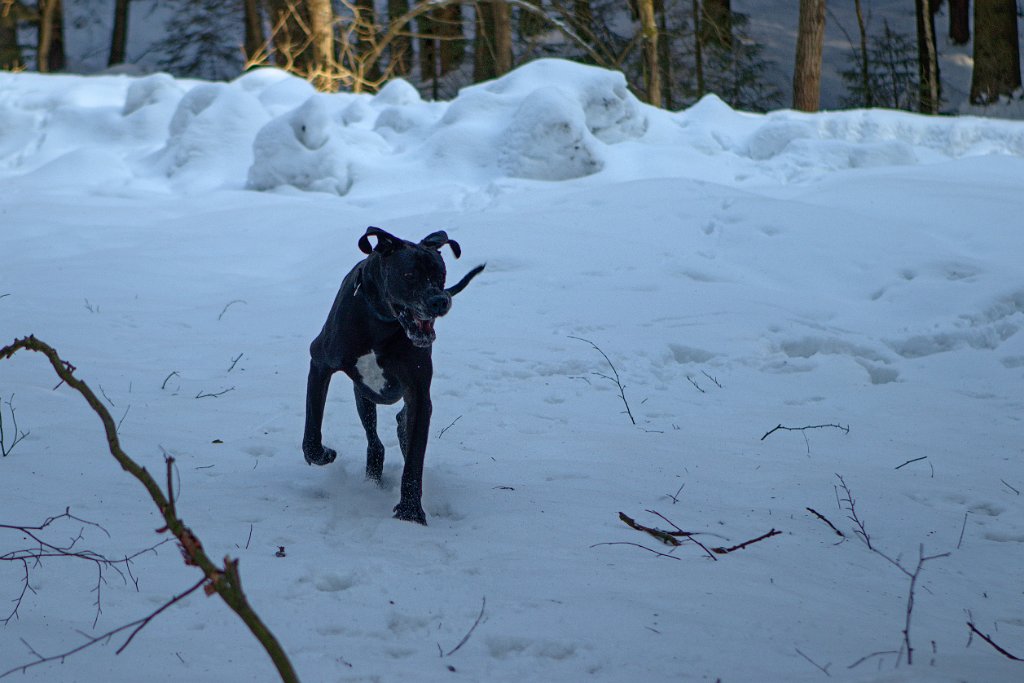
411,513
318,455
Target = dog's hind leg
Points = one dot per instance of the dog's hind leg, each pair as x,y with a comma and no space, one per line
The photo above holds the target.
367,410
316,396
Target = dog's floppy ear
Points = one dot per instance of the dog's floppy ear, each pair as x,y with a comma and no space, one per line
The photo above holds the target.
386,242
436,240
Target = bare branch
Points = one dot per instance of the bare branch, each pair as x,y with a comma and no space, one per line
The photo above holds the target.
19,435
923,457
472,628
223,580
741,546
823,669
137,625
616,380
218,394
228,305
1000,650
825,519
844,430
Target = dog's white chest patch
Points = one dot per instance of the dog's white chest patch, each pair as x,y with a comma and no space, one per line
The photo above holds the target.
371,373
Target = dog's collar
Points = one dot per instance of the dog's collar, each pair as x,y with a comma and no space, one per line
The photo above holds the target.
369,295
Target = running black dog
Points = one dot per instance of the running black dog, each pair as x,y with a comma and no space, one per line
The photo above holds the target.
379,332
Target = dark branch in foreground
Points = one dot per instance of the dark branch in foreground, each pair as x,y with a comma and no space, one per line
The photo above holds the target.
224,580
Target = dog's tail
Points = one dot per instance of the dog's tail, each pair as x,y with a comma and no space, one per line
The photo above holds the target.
461,284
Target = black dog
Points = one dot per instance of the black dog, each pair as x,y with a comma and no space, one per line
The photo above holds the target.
379,332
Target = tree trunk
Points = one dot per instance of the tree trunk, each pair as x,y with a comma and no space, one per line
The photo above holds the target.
119,36
400,51
652,70
665,55
492,52
865,73
698,50
10,51
50,42
810,41
927,59
321,27
442,43
255,40
453,45
716,23
996,51
959,21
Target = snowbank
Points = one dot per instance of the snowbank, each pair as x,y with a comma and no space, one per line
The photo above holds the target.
548,120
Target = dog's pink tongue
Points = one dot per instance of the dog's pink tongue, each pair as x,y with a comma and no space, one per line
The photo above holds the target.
426,326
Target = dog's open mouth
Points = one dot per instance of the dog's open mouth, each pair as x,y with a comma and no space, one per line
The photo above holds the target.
420,331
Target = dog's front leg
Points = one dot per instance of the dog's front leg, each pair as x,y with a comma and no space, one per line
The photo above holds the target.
316,396
417,416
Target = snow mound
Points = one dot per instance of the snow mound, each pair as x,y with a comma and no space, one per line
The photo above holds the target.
611,113
149,91
210,136
298,149
548,139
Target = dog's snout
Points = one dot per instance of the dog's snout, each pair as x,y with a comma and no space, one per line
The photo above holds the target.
439,304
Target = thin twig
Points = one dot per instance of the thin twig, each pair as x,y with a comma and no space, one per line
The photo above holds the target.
234,361
472,628
713,379
615,379
166,379
823,669
218,394
825,519
1007,485
861,530
873,654
675,497
694,383
962,529
923,457
119,422
106,397
5,448
1000,650
441,433
741,546
844,430
228,305
650,550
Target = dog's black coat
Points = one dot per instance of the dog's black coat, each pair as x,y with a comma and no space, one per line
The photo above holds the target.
379,332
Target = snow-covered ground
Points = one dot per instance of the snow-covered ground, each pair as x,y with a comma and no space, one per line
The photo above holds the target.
857,269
